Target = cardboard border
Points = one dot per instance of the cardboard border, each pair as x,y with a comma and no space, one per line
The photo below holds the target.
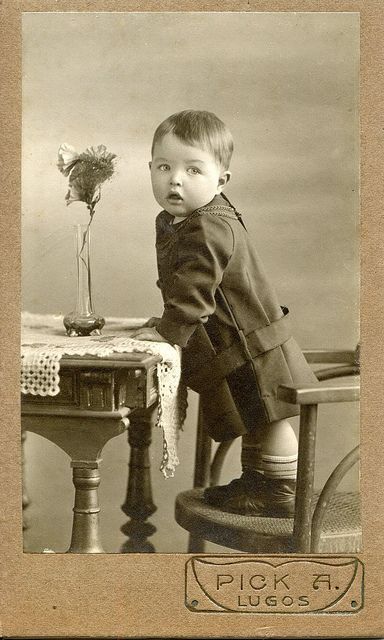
142,595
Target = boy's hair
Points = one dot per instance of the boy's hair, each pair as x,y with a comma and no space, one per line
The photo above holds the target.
199,127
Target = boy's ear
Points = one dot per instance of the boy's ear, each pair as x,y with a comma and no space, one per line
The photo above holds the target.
224,178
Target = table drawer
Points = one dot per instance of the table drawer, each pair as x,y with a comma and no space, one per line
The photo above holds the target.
100,389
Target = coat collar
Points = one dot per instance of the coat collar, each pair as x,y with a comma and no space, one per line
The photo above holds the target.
219,206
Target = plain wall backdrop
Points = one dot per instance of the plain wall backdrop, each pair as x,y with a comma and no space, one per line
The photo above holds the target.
286,84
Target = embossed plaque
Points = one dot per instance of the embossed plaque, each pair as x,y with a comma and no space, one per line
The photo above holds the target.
274,585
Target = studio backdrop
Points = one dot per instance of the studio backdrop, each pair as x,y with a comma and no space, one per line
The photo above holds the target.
286,85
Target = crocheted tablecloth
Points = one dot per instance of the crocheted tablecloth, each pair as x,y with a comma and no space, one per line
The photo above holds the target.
44,342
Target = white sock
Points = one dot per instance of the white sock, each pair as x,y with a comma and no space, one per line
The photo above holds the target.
279,451
271,451
279,467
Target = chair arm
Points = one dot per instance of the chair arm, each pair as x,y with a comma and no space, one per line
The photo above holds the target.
331,356
318,394
338,372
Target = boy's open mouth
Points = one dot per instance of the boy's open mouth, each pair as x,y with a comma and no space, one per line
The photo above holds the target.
175,197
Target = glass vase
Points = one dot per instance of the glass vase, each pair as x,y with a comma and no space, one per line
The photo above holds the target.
83,321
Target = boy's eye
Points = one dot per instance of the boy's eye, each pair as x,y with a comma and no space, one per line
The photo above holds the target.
164,167
193,170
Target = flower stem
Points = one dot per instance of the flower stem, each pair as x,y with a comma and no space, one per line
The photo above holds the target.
91,213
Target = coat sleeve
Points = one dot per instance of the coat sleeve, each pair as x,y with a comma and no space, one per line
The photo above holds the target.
204,250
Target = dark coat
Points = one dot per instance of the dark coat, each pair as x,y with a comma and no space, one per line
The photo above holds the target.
221,309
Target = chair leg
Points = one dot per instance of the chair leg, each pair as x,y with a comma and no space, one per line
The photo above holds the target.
305,478
202,474
218,460
202,455
195,544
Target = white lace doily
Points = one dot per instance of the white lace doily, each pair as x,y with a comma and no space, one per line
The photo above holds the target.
44,343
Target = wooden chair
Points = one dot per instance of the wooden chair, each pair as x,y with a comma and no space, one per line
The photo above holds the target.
325,522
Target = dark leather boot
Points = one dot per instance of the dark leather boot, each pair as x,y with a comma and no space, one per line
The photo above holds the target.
254,495
279,498
236,495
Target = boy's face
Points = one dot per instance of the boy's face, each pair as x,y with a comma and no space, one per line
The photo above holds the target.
184,177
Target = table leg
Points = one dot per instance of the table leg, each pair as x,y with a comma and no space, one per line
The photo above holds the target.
139,504
82,437
85,532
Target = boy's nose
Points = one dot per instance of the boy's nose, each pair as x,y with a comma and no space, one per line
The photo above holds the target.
175,179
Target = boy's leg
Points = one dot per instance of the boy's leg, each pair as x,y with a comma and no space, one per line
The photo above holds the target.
267,485
279,459
279,451
251,481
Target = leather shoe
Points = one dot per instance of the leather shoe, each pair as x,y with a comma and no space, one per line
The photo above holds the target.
253,494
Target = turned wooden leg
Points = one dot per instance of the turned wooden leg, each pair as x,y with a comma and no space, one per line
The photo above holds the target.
82,436
139,504
85,531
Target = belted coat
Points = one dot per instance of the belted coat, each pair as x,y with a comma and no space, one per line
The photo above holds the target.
221,309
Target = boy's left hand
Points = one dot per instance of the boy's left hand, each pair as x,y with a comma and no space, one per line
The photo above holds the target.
147,333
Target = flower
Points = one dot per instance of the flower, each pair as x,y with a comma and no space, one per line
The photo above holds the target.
67,158
87,171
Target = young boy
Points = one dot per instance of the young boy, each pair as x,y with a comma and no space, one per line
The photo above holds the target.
220,308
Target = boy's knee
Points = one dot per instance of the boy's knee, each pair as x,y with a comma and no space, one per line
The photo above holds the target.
279,438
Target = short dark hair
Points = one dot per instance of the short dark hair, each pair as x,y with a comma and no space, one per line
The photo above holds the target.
202,127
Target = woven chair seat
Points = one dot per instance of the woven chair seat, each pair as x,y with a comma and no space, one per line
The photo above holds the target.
341,531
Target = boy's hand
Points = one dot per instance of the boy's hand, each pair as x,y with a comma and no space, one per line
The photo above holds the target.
147,333
152,322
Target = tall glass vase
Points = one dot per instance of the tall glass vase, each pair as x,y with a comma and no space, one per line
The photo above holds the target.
83,321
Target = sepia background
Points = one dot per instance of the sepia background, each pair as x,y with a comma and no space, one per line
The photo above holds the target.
287,86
